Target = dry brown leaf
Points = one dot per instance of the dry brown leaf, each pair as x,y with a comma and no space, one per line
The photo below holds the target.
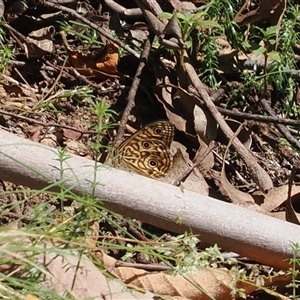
276,198
265,10
87,64
236,196
195,181
217,283
173,33
228,190
35,133
77,147
138,33
110,61
40,42
18,90
290,214
81,61
67,271
16,105
244,135
208,161
205,124
164,96
226,55
182,6
174,99
49,140
71,134
225,51
83,279
43,33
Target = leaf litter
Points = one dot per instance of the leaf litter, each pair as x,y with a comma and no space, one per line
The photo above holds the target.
60,64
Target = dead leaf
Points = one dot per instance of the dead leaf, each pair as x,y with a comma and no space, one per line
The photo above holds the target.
76,147
43,33
139,33
71,134
19,90
35,133
292,204
105,61
65,270
195,181
174,100
265,9
110,61
244,136
182,6
205,124
49,140
228,190
236,196
204,283
274,202
208,161
164,95
173,33
16,105
40,42
83,279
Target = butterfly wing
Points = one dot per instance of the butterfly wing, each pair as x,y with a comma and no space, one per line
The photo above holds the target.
160,130
147,151
150,158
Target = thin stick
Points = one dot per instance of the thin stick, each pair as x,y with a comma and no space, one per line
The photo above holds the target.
196,163
132,93
283,130
258,174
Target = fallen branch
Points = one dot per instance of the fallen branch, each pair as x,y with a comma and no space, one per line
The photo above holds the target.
282,129
258,174
259,118
259,237
132,92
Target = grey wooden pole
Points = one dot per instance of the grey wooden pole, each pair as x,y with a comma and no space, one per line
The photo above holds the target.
233,228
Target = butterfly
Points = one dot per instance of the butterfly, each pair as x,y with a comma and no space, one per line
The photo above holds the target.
147,151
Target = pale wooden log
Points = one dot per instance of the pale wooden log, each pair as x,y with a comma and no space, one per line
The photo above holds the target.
233,228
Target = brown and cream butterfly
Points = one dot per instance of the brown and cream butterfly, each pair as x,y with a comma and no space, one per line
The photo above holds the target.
147,151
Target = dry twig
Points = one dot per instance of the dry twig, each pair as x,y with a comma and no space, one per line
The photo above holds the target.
132,92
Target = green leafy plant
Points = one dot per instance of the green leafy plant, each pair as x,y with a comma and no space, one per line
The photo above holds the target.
294,270
85,34
6,53
104,115
209,61
190,22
